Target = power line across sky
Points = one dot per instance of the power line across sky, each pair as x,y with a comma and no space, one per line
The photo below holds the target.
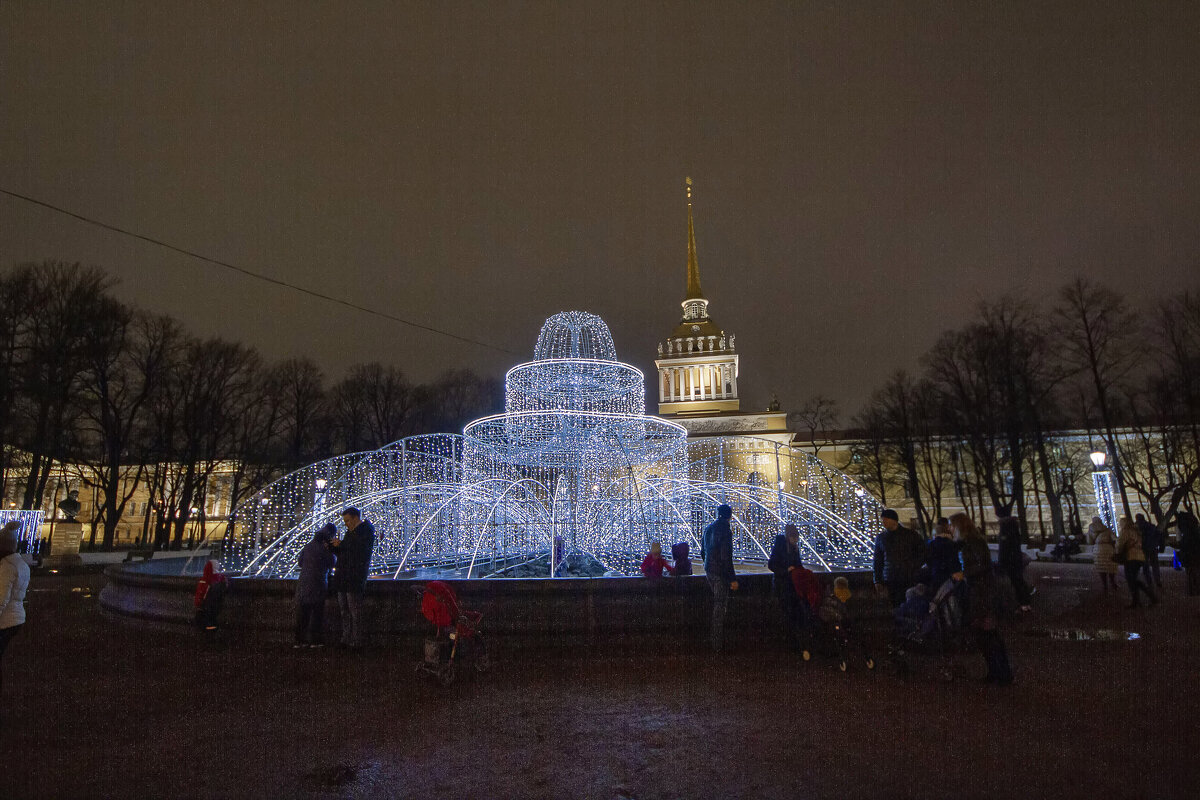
251,273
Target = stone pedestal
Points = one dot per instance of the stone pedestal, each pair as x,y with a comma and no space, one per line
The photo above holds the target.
64,546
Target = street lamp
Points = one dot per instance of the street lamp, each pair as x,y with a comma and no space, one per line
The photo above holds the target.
192,536
319,497
1102,483
258,524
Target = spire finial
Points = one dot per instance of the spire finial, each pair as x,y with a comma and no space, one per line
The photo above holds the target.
693,268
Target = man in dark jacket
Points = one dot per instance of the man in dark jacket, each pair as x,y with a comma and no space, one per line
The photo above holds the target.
899,553
718,568
350,578
1011,558
941,555
1153,543
315,561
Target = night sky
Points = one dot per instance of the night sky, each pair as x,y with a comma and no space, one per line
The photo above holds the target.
864,173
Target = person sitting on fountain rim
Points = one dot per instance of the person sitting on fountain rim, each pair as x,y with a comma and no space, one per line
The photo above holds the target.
899,553
681,554
654,563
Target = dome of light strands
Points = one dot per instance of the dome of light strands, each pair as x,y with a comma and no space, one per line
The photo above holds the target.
575,334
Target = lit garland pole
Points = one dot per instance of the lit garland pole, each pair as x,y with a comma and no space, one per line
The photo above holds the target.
1102,483
31,524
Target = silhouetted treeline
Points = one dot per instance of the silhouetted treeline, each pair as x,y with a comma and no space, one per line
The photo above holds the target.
86,379
975,421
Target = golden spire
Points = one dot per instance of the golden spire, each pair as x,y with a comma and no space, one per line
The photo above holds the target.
693,268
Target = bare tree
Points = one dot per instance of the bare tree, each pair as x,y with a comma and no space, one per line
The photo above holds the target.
372,406
53,361
870,460
817,414
127,361
301,391
1099,332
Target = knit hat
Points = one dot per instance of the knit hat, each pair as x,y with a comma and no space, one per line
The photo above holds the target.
841,589
9,535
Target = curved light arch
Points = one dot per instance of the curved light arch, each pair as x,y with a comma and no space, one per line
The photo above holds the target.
567,458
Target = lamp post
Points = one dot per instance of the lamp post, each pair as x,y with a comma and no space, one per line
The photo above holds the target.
258,524
319,498
1102,483
192,536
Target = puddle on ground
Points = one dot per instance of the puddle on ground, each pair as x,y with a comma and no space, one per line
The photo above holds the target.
1080,635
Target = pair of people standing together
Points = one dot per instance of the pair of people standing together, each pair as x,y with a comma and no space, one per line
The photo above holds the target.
959,552
350,560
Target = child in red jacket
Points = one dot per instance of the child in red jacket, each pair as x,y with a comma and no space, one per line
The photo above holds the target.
210,593
807,588
654,563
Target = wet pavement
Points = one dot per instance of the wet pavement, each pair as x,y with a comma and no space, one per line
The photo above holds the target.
98,708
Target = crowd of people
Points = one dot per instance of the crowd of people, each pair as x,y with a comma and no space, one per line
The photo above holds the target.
916,575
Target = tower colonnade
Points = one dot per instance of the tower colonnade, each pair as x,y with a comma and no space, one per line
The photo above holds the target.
697,382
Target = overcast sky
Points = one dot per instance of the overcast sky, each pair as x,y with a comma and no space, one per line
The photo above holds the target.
864,173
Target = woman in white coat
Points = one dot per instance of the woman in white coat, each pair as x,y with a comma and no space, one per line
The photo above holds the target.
1105,540
14,582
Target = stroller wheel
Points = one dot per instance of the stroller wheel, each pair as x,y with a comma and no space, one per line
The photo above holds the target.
870,663
842,665
806,655
483,662
446,676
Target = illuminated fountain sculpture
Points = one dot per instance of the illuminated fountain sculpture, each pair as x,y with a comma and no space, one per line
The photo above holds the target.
573,478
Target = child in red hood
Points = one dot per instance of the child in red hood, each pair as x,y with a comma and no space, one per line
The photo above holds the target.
210,594
654,563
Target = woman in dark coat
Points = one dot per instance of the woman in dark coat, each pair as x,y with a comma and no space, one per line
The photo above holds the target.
981,598
1011,560
315,560
785,556
1189,550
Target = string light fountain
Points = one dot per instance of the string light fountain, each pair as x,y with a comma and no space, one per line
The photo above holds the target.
574,478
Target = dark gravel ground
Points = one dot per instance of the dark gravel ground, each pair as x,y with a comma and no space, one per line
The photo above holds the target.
97,708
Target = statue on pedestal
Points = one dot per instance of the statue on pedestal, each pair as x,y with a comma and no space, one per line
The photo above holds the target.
70,507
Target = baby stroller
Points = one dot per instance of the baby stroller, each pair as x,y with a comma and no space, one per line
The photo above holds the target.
456,634
931,626
829,632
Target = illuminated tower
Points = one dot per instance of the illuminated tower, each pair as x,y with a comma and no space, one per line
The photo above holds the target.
697,365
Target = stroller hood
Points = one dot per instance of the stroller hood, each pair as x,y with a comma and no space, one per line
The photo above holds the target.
439,604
